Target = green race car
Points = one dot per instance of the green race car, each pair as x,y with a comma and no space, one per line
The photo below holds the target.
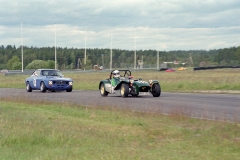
127,85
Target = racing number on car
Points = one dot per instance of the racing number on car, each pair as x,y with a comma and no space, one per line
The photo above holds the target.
34,82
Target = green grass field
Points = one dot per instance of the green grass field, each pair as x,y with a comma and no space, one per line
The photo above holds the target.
41,130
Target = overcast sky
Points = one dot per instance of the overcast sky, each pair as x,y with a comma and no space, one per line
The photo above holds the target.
121,24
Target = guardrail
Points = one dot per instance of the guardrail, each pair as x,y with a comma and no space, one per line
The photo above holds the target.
29,72
214,67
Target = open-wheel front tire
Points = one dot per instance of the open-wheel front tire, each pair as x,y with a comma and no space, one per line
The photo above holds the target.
124,90
28,87
103,91
43,87
156,90
134,91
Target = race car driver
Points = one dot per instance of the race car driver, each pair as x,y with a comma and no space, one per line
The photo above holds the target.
116,78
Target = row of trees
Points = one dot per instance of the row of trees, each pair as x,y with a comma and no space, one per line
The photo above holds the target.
73,58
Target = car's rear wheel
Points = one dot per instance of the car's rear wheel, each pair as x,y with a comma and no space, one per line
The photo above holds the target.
69,90
103,91
43,87
156,90
124,90
28,87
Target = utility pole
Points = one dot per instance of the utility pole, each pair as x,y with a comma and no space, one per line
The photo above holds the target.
103,60
158,52
110,67
78,63
21,46
55,49
191,60
135,54
85,53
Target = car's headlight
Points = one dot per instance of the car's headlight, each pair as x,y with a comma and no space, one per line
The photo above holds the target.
131,81
150,81
70,83
50,83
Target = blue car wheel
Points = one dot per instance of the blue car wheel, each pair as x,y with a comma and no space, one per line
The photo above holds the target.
43,87
28,87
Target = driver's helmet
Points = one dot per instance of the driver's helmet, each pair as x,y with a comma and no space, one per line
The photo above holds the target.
116,73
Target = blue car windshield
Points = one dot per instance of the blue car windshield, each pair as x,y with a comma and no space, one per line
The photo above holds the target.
51,73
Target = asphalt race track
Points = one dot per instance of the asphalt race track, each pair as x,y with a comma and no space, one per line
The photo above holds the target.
206,106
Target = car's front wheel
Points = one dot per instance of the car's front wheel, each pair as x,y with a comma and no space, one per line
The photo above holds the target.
124,90
134,91
103,91
69,90
156,90
28,87
43,87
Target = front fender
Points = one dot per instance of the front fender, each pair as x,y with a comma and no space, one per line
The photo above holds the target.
107,81
118,86
45,82
155,81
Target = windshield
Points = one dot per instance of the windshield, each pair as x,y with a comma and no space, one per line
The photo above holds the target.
51,73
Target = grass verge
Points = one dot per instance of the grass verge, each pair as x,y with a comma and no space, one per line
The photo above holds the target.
40,130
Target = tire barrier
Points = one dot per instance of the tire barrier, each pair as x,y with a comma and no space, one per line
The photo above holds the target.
163,69
214,67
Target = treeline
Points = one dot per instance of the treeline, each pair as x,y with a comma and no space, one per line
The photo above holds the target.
73,58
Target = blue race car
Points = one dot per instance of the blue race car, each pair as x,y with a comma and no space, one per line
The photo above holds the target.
48,79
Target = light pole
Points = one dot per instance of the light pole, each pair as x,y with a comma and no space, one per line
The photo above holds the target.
21,46
110,67
135,54
158,51
85,53
55,49
103,60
